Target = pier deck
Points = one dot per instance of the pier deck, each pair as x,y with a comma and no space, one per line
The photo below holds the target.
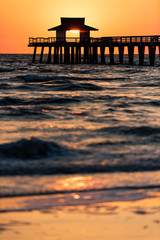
73,50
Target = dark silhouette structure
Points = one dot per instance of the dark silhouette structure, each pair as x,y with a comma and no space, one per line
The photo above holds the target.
68,24
84,49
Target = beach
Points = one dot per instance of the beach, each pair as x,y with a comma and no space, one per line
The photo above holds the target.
94,214
112,220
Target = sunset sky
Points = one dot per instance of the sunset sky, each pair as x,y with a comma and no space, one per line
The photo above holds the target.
21,19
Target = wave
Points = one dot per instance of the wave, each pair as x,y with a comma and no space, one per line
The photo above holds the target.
4,86
38,78
81,87
51,169
7,101
139,131
44,78
27,149
35,156
142,130
62,83
114,101
11,101
55,166
68,77
50,192
155,103
6,70
153,83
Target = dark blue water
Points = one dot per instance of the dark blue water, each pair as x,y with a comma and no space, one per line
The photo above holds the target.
57,120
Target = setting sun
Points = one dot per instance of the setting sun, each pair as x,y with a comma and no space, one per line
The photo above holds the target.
74,31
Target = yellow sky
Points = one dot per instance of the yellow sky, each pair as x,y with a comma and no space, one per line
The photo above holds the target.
20,19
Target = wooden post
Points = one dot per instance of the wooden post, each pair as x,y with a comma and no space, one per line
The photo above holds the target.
72,55
131,54
102,49
111,54
53,54
60,54
91,55
49,55
152,50
95,59
121,54
77,54
141,49
41,57
56,54
34,54
86,55
54,59
66,55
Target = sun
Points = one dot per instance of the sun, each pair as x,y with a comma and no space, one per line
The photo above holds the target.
74,31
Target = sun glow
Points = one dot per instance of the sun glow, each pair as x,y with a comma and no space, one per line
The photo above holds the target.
74,31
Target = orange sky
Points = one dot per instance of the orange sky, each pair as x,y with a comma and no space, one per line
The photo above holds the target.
20,19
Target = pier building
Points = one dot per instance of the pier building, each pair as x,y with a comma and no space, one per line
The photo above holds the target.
73,24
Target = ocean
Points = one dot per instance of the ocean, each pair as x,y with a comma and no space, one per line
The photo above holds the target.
78,134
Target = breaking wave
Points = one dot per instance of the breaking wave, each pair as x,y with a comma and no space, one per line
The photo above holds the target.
35,156
27,149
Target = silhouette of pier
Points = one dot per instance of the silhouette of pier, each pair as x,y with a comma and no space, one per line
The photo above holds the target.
85,49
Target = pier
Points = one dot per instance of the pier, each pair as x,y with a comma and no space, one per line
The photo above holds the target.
85,49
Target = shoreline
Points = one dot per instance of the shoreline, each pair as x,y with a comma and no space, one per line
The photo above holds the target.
138,219
76,198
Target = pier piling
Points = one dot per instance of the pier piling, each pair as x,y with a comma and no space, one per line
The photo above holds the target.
77,55
79,50
56,55
95,55
34,54
86,55
72,55
111,54
152,49
49,55
66,55
141,49
60,54
121,54
41,57
102,49
131,53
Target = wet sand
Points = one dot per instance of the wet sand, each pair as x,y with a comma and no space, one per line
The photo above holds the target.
123,220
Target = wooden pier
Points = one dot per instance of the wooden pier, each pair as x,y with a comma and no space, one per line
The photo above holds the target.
86,49
75,51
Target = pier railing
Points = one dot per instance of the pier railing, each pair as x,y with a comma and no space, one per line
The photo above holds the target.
105,40
131,39
51,40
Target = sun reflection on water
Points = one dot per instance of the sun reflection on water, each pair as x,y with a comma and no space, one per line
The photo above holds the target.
71,183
